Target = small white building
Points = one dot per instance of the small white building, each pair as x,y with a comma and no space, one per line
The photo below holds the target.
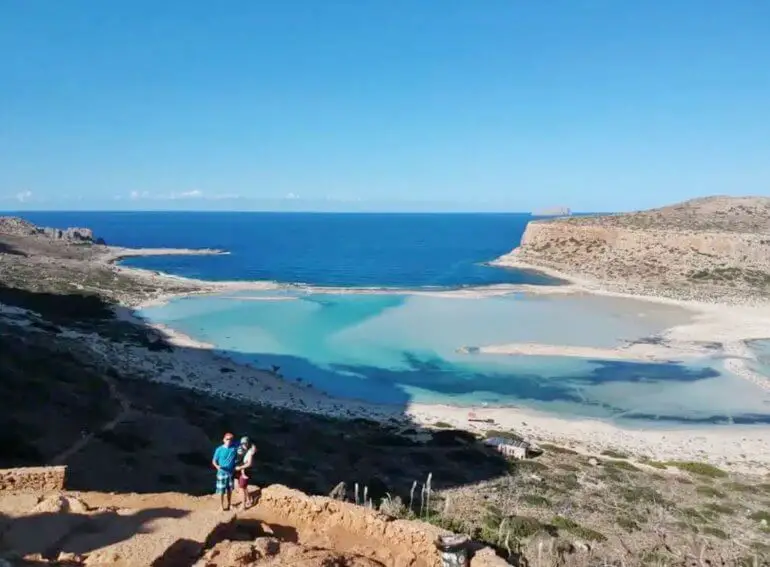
509,447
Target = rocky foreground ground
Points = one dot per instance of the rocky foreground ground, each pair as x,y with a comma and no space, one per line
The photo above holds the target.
119,433
41,523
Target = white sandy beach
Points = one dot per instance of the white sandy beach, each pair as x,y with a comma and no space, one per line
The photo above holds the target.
117,253
633,352
196,365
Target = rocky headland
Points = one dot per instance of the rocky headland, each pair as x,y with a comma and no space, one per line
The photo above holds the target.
714,249
14,226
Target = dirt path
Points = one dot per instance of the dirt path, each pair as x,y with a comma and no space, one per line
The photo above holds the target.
122,415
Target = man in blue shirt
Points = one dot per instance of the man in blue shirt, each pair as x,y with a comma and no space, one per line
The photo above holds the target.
224,462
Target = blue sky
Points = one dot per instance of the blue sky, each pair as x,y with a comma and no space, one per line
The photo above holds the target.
381,104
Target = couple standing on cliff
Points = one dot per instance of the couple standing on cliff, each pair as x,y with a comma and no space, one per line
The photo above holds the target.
232,460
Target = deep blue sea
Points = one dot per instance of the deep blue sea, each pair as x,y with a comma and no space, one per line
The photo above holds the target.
399,342
321,249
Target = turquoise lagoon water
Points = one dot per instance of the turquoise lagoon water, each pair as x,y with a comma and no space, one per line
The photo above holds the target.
394,348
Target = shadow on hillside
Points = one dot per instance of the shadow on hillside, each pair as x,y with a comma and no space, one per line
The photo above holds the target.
166,441
52,533
57,308
11,250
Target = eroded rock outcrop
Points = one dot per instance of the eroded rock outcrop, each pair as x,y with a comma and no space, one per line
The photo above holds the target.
32,479
16,226
706,248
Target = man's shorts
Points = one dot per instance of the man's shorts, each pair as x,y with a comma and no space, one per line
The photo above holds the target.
224,481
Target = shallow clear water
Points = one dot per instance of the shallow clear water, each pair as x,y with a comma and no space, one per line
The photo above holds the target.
397,348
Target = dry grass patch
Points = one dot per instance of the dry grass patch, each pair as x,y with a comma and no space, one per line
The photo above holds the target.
710,492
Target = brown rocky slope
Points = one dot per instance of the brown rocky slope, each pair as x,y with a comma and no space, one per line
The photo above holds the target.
714,248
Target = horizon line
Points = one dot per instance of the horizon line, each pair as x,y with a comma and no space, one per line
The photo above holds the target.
302,212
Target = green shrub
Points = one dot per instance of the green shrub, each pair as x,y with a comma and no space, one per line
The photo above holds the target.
444,522
761,515
442,425
569,481
622,465
576,529
556,449
701,469
721,508
642,494
451,438
627,524
528,466
655,558
492,517
535,500
686,527
716,532
740,487
510,435
614,454
523,526
761,547
692,514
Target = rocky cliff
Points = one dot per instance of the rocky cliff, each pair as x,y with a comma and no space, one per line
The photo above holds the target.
14,226
713,248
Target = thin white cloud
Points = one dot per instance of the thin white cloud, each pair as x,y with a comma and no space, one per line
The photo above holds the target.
194,194
292,196
179,196
23,196
221,196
